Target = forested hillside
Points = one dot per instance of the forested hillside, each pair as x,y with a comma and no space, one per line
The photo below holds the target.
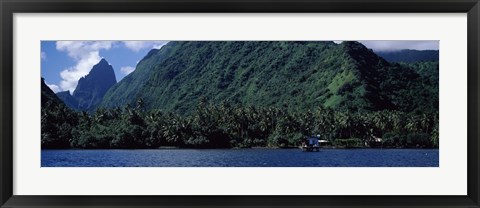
295,75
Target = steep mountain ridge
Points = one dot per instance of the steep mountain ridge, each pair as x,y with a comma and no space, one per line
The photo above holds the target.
47,95
128,89
297,75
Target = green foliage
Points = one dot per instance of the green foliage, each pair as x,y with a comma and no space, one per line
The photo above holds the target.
435,136
349,143
57,121
423,96
293,74
127,91
392,139
340,80
228,126
418,140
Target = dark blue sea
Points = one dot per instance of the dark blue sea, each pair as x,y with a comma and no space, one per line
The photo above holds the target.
241,158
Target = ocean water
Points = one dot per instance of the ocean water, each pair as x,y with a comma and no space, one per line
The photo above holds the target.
241,158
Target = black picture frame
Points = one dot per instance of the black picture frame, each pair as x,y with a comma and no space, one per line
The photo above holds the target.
10,7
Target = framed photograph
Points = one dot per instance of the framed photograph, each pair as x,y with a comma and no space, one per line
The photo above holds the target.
267,103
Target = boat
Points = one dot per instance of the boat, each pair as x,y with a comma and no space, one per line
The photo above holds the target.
311,144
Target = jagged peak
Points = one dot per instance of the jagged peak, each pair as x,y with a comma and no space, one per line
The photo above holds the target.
92,87
103,62
100,67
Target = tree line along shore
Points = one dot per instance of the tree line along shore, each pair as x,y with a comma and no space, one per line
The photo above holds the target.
227,126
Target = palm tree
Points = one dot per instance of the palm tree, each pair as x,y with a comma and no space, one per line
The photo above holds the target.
425,122
140,104
435,136
171,130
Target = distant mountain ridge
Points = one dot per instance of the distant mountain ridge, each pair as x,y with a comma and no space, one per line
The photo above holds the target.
298,75
91,88
409,56
68,99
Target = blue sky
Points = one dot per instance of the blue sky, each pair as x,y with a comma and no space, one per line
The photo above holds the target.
63,63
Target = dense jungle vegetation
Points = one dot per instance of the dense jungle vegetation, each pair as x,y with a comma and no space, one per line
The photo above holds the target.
227,126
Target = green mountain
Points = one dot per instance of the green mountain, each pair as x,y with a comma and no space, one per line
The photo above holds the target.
409,56
297,75
127,90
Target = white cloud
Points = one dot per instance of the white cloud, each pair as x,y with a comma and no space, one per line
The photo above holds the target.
136,46
127,70
393,45
80,49
43,55
53,87
86,54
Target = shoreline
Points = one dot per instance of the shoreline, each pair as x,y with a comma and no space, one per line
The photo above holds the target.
237,148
